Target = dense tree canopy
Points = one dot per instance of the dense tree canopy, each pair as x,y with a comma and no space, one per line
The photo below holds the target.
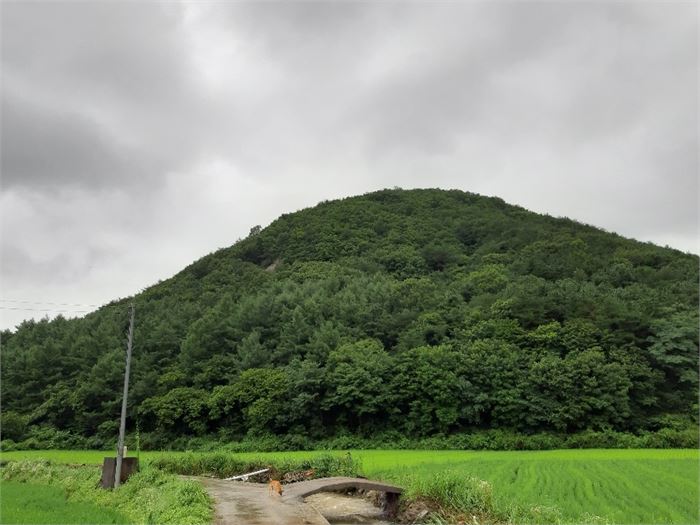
424,312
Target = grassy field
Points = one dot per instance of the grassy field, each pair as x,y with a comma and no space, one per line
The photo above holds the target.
31,489
611,485
615,486
33,503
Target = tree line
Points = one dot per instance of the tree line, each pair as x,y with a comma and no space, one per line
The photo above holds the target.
423,312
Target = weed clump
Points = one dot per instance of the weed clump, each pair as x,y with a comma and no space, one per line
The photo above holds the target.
450,496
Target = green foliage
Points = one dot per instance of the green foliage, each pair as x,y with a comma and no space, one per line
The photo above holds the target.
674,351
356,381
13,425
251,403
421,312
45,437
431,393
682,436
181,409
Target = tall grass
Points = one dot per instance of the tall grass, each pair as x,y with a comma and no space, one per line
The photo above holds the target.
453,492
226,465
452,497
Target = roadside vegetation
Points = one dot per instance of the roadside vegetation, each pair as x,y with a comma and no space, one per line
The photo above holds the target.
226,465
150,496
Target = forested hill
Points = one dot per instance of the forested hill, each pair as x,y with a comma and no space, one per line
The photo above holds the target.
422,312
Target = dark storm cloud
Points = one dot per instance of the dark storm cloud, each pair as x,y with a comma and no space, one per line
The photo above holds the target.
137,136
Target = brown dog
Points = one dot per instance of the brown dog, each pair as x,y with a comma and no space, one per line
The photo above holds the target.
275,486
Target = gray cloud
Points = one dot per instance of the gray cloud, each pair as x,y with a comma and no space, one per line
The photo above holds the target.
44,146
138,136
96,93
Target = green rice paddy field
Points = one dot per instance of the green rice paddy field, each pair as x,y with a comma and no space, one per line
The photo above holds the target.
614,486
32,503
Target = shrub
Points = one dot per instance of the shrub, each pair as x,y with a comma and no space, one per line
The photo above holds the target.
6,445
682,437
670,438
13,425
43,437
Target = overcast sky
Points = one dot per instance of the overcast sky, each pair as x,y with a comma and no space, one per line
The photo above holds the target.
137,137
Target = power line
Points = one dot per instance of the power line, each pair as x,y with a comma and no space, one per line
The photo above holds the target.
45,310
44,302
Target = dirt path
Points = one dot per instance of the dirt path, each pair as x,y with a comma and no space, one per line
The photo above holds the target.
241,503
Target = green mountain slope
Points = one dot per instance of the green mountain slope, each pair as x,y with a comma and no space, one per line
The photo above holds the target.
421,312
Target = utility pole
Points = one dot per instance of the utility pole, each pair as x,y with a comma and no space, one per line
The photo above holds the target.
122,424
